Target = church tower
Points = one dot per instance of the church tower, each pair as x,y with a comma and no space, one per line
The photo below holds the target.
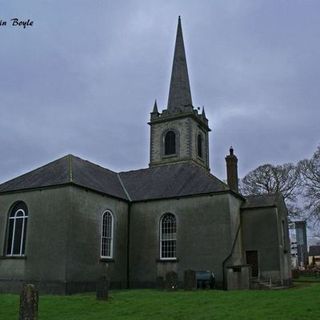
179,133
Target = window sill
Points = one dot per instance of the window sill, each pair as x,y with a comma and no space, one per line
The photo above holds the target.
167,260
106,260
168,156
13,257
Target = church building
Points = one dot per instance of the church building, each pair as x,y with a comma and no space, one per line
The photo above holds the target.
63,224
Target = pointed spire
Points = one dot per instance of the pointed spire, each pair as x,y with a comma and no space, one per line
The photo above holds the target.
179,92
155,113
203,113
155,107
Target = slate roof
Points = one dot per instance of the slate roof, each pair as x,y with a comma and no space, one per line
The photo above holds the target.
53,173
260,201
173,180
167,181
92,176
314,251
69,169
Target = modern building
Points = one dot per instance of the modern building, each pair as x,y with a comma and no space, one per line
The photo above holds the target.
299,246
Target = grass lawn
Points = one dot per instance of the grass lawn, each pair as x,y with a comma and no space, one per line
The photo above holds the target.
307,279
301,302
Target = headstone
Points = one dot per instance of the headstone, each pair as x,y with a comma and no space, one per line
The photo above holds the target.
102,285
29,299
102,288
160,283
190,280
171,280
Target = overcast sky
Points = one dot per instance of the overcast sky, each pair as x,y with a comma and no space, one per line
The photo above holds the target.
84,77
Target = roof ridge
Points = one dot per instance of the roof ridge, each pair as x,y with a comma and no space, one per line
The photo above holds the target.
124,187
70,167
92,163
135,170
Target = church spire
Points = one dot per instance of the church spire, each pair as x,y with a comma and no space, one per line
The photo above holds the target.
179,133
179,92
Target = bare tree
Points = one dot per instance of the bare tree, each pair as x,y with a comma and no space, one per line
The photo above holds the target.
274,179
310,173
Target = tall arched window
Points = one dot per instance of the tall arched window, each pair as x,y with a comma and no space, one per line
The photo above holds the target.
200,151
168,236
107,235
170,143
17,230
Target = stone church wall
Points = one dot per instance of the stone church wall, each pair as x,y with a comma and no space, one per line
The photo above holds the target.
46,251
283,231
84,265
204,237
235,229
195,130
262,232
63,241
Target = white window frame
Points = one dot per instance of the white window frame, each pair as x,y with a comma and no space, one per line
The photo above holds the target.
14,217
174,238
110,238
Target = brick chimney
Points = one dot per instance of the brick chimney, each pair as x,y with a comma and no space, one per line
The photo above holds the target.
232,170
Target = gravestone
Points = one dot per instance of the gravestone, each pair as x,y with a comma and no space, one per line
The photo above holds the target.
190,280
160,283
102,288
171,281
102,285
29,299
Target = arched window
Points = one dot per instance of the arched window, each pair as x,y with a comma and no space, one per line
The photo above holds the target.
170,143
200,151
168,236
17,230
107,235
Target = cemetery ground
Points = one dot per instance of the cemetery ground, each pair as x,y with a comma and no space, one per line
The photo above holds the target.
300,302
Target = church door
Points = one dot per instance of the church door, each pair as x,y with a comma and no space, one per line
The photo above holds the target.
252,260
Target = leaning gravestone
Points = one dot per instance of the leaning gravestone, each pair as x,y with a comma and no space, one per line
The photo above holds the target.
190,281
171,280
29,299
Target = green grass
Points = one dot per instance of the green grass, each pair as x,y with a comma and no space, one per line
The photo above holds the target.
301,302
307,279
